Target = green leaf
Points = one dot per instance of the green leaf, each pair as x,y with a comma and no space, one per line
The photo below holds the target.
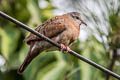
9,39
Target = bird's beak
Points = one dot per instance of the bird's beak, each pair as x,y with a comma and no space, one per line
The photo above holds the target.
84,23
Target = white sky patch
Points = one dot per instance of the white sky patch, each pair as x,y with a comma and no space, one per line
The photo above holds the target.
43,3
57,12
2,61
118,51
83,35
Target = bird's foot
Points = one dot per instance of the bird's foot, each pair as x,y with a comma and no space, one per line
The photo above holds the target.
67,49
64,48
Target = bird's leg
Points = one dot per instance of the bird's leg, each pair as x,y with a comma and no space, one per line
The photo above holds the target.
63,48
67,49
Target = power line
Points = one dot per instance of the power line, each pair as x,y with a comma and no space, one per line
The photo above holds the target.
58,45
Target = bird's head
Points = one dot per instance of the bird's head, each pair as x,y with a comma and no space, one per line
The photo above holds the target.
76,16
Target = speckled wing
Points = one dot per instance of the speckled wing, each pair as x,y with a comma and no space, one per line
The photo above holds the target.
50,28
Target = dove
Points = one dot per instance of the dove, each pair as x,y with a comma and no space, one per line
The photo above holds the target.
63,29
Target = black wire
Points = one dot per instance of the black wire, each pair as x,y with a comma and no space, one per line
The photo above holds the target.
57,45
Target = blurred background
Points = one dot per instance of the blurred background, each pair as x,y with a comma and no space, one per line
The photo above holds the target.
99,41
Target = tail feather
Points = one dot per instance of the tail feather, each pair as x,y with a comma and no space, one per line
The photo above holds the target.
30,56
28,59
24,65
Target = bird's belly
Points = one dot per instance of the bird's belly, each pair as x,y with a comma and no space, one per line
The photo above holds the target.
44,45
53,48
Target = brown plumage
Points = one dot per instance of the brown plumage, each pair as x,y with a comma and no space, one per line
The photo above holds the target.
62,29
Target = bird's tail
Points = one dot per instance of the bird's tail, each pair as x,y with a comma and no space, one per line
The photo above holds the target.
30,56
24,65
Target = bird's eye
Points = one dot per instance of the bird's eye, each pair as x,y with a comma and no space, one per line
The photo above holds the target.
77,17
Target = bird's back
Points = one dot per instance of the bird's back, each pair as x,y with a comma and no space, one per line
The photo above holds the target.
52,27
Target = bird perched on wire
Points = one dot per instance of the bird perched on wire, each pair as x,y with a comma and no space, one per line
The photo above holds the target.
62,29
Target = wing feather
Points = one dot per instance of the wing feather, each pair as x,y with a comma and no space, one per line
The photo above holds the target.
50,28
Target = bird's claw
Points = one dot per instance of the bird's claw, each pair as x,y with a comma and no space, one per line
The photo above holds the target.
64,48
67,49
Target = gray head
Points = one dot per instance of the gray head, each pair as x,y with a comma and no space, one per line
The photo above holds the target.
77,16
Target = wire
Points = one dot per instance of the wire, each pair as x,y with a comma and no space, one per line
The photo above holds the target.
58,45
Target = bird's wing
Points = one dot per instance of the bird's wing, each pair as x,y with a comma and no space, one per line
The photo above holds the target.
50,28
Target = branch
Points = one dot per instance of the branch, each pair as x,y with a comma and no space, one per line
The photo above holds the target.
57,45
112,63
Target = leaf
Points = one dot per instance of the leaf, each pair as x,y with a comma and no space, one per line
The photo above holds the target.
9,39
54,71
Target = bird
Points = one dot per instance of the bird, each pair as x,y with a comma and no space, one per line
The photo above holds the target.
63,29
